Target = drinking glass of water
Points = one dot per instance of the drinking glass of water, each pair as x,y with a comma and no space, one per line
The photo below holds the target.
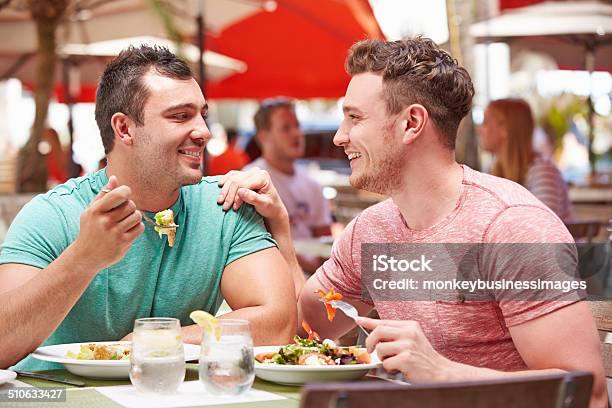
226,362
157,360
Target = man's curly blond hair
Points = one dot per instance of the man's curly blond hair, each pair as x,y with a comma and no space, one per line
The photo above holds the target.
416,70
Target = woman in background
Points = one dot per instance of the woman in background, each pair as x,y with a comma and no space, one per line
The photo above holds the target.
57,159
507,132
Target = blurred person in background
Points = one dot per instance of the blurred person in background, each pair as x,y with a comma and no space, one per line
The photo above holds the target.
282,143
233,158
507,132
56,157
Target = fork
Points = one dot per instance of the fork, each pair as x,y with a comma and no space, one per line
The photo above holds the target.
145,217
346,308
150,221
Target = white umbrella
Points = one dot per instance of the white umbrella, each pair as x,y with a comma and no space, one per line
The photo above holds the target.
122,19
577,34
218,66
90,60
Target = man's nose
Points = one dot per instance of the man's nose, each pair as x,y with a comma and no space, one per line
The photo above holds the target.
201,131
341,136
297,132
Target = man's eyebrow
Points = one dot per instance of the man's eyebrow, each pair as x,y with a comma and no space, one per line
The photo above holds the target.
184,106
350,108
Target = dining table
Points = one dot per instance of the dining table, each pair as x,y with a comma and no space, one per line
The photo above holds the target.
92,395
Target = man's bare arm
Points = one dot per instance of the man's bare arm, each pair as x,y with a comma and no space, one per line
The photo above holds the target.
31,311
36,301
259,289
565,339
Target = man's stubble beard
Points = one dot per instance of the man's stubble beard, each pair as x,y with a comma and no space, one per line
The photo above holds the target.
384,175
155,170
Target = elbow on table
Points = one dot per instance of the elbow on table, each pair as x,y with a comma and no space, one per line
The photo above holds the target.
285,325
287,328
599,395
9,358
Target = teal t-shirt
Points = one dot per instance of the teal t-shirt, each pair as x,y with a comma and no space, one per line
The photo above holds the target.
152,280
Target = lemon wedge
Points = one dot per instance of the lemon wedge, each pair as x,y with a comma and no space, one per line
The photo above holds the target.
208,323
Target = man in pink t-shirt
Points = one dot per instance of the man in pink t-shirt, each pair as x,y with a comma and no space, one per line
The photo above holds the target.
402,109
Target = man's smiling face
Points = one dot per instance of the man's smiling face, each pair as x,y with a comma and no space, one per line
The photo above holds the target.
367,135
169,145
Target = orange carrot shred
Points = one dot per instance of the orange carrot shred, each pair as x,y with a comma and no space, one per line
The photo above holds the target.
312,335
331,295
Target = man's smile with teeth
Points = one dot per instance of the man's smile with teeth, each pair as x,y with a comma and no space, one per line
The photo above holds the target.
189,153
352,156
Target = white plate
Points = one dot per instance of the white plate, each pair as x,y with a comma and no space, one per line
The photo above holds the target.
7,375
299,374
104,369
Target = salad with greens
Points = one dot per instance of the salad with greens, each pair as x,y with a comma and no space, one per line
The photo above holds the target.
101,352
315,352
165,221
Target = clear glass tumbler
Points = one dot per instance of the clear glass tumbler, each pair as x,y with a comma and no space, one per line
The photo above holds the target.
226,364
157,360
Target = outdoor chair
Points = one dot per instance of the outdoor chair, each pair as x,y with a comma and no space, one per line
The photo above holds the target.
602,313
566,390
584,230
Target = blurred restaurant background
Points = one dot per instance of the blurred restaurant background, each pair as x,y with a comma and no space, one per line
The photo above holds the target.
557,55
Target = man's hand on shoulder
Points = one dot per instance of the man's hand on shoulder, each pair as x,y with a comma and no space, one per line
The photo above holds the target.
253,187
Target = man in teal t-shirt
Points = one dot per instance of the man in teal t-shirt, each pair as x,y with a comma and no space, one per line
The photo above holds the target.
78,264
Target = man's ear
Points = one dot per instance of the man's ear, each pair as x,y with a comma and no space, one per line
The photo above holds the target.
122,124
413,119
261,137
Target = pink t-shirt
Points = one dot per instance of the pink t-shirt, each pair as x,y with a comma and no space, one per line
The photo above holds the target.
489,210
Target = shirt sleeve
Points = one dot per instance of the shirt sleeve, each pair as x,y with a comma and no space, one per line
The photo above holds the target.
341,271
528,246
545,182
37,235
249,234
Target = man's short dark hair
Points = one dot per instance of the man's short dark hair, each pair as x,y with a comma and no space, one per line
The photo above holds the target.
266,108
122,89
416,70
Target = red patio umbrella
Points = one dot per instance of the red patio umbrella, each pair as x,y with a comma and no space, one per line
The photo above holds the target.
511,4
297,50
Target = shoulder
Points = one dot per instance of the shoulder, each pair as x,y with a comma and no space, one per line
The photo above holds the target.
376,223
385,210
202,196
496,189
43,228
304,177
202,199
516,215
69,198
259,162
527,224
